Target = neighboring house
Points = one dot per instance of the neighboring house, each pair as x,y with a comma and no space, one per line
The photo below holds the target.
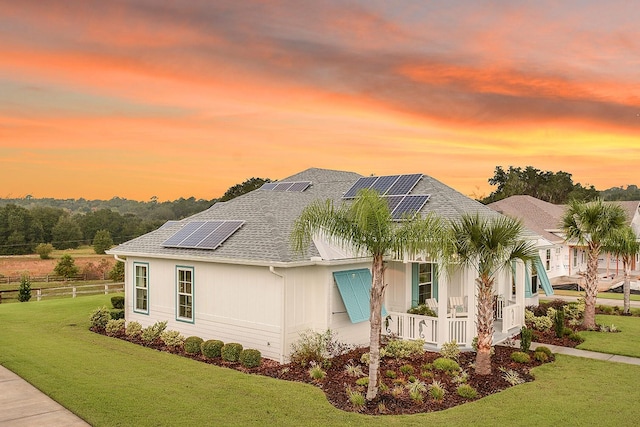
230,273
560,259
610,263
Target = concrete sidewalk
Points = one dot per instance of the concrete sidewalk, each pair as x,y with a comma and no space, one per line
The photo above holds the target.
599,301
21,404
569,351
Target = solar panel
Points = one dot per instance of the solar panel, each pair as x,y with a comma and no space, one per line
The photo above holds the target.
383,183
269,186
222,233
404,184
203,234
364,182
393,201
207,228
282,186
299,186
168,224
409,206
183,233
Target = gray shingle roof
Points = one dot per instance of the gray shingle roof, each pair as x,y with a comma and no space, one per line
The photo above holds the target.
269,216
537,215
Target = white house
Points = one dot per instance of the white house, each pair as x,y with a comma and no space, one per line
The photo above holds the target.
230,273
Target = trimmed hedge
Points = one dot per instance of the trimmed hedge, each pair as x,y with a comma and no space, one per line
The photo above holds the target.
231,352
211,348
250,358
117,302
192,345
116,314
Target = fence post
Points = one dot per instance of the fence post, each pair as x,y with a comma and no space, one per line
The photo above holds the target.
106,288
74,292
39,294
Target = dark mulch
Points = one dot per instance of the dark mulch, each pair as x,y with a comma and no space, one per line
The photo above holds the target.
337,380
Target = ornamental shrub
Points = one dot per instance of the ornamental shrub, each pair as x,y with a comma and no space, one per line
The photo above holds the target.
526,335
250,358
558,323
317,347
467,391
422,310
117,302
544,350
153,332
192,345
406,369
44,250
24,291
403,349
364,381
133,329
116,314
520,357
114,327
172,338
99,318
450,350
211,348
448,365
231,352
540,356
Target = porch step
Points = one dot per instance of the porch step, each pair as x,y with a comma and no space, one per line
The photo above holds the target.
499,337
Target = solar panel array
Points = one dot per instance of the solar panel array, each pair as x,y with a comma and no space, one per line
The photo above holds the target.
389,185
202,234
406,206
291,187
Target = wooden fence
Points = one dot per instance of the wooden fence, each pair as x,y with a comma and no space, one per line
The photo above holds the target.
64,291
46,278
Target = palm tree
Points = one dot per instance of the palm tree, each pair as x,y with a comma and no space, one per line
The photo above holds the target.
366,226
487,245
624,244
592,224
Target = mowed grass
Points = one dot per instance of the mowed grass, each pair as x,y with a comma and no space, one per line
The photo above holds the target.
601,295
626,342
110,382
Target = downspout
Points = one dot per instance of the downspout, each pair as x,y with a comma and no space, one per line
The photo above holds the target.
283,313
123,260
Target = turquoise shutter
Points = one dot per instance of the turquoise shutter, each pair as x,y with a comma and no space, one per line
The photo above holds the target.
415,271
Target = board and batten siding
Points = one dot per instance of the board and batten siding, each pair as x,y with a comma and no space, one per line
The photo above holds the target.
232,303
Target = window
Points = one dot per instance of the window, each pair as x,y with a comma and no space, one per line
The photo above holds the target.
425,282
575,257
534,280
185,294
141,288
548,260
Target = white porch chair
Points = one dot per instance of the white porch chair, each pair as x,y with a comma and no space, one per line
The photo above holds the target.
457,307
432,303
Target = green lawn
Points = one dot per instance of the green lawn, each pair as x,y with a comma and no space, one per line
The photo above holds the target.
626,342
601,295
110,382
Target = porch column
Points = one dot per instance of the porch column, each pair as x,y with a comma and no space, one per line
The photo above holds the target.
443,302
472,304
521,271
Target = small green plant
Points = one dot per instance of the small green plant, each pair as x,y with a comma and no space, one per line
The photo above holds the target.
117,302
511,376
526,335
317,347
397,391
114,327
466,391
24,291
172,339
231,352
540,356
364,381
450,350
192,345
153,332
573,336
133,329
99,318
449,366
422,310
365,358
116,314
383,387
404,349
461,378
407,369
353,370
520,357
558,323
356,398
211,348
390,373
416,387
437,390
317,373
250,358
544,350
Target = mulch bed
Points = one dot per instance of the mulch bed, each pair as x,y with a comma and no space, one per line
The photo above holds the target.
337,380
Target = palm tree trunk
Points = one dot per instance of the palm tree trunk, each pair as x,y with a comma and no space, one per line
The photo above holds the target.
591,288
627,287
377,292
485,325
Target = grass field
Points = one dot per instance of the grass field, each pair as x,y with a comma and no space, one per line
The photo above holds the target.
14,266
601,295
110,382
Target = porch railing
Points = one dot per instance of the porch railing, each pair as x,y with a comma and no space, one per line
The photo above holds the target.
510,317
412,327
458,330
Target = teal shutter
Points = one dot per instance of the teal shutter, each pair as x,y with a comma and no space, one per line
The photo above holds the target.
542,277
415,272
355,289
527,288
434,279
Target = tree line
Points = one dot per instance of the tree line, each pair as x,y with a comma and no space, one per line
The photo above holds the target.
68,223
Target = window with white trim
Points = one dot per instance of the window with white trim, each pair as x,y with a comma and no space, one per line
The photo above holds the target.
548,260
425,282
141,288
185,294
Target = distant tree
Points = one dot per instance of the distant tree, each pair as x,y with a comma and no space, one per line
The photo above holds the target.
117,272
240,189
624,245
48,217
44,250
548,186
632,192
19,231
66,234
24,291
103,266
102,241
66,267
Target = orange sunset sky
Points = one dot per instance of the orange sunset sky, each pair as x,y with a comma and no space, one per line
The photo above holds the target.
142,98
